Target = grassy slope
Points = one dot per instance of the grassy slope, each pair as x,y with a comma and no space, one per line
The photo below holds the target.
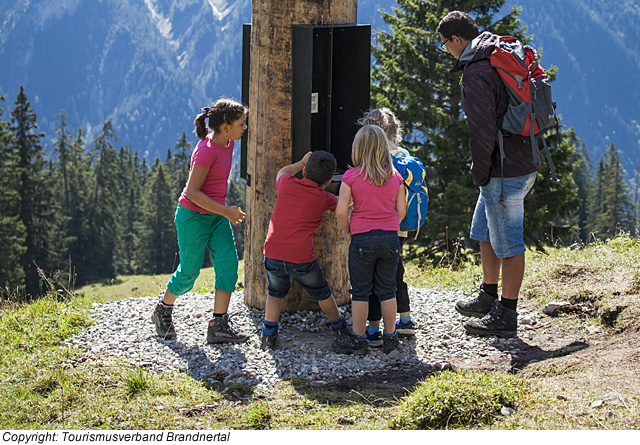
47,385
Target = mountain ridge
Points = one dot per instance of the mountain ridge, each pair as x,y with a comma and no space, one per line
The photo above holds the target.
151,66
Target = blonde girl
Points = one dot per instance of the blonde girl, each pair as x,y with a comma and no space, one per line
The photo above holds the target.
374,189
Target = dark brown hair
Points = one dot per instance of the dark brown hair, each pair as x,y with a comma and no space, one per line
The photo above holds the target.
222,111
320,167
460,24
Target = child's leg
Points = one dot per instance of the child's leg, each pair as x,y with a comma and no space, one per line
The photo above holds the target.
189,227
389,308
224,257
330,308
359,311
272,309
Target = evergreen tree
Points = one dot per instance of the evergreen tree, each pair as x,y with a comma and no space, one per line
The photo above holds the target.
38,210
12,230
158,245
128,202
412,77
583,178
611,206
178,164
102,222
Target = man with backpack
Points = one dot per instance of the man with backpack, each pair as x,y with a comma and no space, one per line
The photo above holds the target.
504,180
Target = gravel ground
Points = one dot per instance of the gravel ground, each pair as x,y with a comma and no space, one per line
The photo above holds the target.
124,329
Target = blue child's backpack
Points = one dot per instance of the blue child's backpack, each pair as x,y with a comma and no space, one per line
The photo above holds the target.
416,191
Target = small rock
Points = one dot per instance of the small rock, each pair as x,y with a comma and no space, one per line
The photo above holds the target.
553,309
594,329
529,319
506,411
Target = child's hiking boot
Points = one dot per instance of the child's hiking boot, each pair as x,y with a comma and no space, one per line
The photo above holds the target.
268,341
374,339
220,331
406,328
162,320
500,321
389,343
477,305
350,344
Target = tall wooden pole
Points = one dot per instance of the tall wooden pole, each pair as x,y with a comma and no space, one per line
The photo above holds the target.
269,142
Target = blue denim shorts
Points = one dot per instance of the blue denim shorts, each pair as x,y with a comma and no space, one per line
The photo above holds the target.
308,275
373,263
502,226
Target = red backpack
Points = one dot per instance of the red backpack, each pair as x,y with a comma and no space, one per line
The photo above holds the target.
531,110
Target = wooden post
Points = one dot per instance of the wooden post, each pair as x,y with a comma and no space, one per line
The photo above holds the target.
269,143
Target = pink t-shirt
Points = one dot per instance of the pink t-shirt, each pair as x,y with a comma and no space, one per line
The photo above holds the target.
374,208
217,160
297,215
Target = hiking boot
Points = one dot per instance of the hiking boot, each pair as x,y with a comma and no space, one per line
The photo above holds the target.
162,319
500,321
268,341
374,339
220,331
476,305
389,343
406,328
350,344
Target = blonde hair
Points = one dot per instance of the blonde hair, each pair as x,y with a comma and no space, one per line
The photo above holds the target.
370,151
385,119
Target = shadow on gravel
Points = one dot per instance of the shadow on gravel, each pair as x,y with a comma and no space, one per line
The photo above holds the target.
528,354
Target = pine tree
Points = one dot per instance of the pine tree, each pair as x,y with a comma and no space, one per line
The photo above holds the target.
412,77
38,209
583,178
12,230
178,164
611,206
158,244
102,220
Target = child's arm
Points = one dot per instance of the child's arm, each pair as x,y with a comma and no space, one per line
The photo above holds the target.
294,168
195,194
401,203
342,209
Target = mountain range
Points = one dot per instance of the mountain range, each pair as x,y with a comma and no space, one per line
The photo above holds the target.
151,65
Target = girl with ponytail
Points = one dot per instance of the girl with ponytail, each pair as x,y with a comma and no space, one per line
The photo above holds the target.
203,220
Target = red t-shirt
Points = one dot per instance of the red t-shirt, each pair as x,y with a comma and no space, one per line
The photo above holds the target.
297,215
217,160
374,208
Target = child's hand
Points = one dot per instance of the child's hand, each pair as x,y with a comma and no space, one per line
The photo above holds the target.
305,158
235,215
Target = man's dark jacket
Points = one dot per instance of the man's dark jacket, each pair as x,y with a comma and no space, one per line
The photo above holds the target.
485,101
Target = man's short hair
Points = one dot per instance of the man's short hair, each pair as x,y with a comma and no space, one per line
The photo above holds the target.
458,23
320,167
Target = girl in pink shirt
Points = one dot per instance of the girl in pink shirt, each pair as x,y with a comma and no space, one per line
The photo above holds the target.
203,220
375,189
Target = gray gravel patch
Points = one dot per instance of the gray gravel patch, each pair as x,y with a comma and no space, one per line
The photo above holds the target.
124,329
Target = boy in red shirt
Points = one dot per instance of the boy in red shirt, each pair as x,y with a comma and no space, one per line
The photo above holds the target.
289,251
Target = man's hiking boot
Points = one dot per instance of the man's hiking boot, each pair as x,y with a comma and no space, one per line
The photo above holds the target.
406,328
220,331
476,305
268,341
374,339
500,321
389,343
162,319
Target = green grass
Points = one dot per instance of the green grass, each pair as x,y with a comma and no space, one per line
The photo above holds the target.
134,286
453,400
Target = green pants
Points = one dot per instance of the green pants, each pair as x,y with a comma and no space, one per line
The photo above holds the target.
196,231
